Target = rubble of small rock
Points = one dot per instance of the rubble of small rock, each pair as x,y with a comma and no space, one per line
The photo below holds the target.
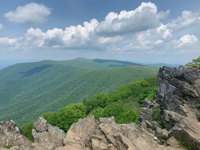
177,96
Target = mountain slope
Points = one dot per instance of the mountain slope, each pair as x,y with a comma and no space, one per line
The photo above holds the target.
22,70
23,108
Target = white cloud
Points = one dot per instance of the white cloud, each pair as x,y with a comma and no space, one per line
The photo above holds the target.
186,40
142,18
159,42
10,44
32,13
164,31
1,26
70,37
110,39
187,19
149,35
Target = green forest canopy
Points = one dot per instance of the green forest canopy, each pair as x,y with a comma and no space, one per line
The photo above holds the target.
124,104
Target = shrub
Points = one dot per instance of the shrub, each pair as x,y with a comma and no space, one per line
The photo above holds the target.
8,146
198,106
155,114
27,130
198,116
182,143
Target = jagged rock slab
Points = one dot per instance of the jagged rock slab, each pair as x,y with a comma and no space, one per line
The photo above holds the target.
11,134
177,95
78,136
46,133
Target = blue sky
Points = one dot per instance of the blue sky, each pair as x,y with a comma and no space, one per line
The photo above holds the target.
141,31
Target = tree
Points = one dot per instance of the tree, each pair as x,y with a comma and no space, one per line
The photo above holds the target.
195,62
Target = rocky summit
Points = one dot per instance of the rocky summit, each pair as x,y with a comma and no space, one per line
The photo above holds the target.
173,117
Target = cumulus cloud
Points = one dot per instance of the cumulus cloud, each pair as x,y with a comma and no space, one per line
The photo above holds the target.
148,36
32,13
110,39
187,19
184,41
73,36
164,31
151,39
11,44
142,18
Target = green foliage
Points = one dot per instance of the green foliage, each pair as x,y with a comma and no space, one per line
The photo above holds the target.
198,106
188,82
127,117
167,127
195,62
156,114
8,146
67,116
198,117
182,143
190,148
123,104
63,83
84,101
96,112
114,109
27,130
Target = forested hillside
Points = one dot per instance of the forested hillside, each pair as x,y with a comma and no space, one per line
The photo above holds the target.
125,104
30,89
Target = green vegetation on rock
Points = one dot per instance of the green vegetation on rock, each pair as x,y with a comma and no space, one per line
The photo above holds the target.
156,114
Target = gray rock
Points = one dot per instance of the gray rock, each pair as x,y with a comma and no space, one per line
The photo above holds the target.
40,125
11,134
45,133
145,115
107,120
155,125
149,125
147,103
177,95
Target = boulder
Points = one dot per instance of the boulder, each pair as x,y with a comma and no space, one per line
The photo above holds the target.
149,125
11,134
45,133
145,115
78,136
173,142
147,103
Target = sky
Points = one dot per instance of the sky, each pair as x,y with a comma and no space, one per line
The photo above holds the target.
154,31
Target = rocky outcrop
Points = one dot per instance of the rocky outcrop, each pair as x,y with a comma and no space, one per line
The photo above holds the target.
88,134
11,134
177,95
